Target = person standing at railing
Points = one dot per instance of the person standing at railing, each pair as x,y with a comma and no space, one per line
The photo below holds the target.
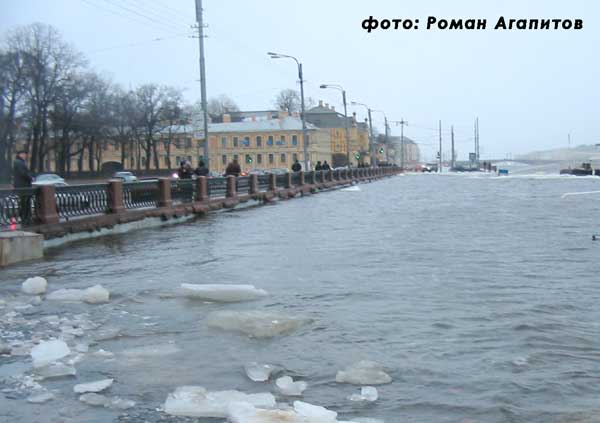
325,166
296,167
201,170
318,166
185,170
233,169
22,178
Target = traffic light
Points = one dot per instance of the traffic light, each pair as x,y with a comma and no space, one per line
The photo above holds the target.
248,159
357,156
381,150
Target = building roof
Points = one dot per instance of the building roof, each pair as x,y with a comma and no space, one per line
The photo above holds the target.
289,123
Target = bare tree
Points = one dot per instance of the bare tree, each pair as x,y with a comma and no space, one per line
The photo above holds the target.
221,104
288,100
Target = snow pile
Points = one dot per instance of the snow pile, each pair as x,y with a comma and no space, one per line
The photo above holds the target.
367,393
48,351
258,372
363,373
222,293
94,295
196,401
97,386
287,386
255,323
34,286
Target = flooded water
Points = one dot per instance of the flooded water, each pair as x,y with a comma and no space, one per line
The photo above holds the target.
478,294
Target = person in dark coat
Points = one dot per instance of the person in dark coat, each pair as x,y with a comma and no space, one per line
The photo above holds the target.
201,170
22,178
326,166
319,166
296,167
184,171
233,169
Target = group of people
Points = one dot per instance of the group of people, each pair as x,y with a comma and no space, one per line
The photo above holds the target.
324,166
185,170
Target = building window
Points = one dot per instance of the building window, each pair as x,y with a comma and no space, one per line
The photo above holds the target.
295,156
235,141
177,143
117,146
188,143
271,159
224,159
307,139
224,142
259,159
282,139
282,158
294,139
235,157
246,141
259,141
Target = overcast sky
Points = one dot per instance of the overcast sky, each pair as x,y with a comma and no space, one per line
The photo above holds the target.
529,88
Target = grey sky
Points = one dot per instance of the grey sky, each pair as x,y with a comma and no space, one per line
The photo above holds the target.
529,88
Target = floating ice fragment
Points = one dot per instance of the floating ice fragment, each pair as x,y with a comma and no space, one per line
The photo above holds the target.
243,412
366,420
158,350
4,348
353,188
287,386
55,370
97,386
82,348
196,401
364,372
34,286
93,295
520,361
255,323
314,413
103,353
91,398
48,351
120,404
367,393
40,398
222,293
258,372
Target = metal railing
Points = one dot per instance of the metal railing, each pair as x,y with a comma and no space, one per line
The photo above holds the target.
183,190
81,200
139,195
242,184
281,180
264,182
296,179
217,187
18,206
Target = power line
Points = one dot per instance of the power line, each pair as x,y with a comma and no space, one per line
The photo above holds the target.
170,9
158,14
135,12
134,44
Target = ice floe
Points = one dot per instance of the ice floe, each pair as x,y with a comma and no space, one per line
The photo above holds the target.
96,294
34,286
97,386
240,412
222,293
287,386
48,351
55,370
353,188
255,323
364,372
258,372
97,400
367,393
196,401
40,398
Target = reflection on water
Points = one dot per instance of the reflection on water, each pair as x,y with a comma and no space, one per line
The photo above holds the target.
478,293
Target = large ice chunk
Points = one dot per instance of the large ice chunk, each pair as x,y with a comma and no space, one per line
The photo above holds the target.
367,393
242,412
55,370
314,413
91,398
40,398
48,351
97,386
258,372
364,372
34,286
222,293
93,295
196,401
287,386
255,323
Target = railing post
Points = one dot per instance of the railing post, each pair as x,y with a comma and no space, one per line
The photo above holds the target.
253,184
231,192
288,180
272,182
302,180
330,175
201,188
47,212
115,196
164,192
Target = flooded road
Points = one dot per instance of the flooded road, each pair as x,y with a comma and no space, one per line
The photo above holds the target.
478,294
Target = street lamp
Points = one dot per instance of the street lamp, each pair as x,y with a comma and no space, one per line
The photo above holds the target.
340,88
304,131
371,148
387,135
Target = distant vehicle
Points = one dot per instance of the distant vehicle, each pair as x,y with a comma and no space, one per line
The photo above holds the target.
48,179
125,176
214,174
277,171
256,172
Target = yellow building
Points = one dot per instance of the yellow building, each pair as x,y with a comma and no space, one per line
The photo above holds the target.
264,142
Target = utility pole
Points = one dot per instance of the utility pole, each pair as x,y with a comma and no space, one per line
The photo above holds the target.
372,144
347,130
477,132
440,152
200,24
387,140
452,164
